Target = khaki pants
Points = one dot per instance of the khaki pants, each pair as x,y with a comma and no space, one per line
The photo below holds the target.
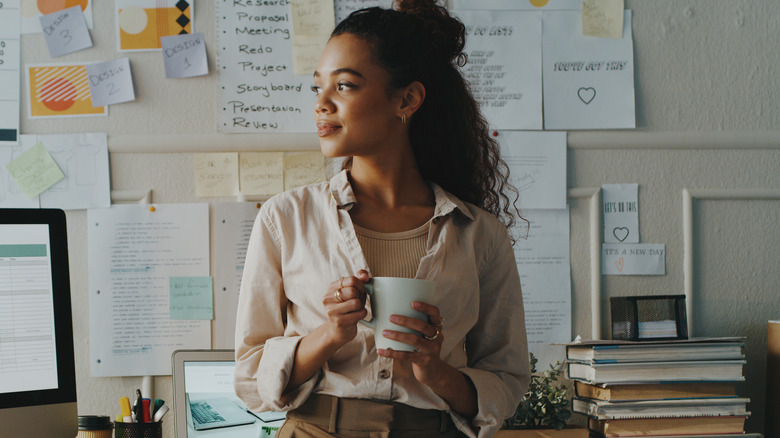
328,416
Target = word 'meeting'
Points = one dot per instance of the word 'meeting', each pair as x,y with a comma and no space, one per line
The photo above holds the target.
590,65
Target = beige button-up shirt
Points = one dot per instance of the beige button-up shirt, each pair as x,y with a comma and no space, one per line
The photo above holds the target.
304,239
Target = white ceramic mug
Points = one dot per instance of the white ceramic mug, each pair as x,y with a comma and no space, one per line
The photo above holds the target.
394,296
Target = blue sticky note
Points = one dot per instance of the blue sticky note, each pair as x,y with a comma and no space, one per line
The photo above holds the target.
191,298
65,31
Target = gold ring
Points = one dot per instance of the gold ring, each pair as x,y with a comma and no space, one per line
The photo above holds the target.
433,338
338,296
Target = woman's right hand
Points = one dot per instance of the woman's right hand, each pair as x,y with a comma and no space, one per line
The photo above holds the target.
345,303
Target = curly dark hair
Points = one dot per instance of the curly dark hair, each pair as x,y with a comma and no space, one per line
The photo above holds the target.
421,41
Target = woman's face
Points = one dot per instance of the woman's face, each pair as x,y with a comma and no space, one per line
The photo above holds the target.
356,111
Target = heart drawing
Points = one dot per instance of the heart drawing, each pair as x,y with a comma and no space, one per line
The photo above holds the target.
620,233
619,265
586,95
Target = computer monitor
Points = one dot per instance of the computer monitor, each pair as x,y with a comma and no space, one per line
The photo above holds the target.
37,371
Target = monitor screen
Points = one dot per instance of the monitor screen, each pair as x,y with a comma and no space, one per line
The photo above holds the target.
37,372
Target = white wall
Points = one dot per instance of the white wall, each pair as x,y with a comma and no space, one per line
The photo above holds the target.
708,118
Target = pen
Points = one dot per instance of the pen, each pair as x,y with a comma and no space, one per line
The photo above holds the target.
145,406
160,413
124,404
137,406
157,404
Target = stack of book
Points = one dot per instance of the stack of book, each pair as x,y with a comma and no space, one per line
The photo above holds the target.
659,388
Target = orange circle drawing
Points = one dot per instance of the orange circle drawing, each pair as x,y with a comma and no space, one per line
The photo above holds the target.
49,6
539,3
65,88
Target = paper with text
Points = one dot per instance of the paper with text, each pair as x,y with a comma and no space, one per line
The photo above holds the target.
65,31
312,22
527,5
258,91
191,298
303,168
133,252
110,82
10,76
537,167
35,171
543,264
345,7
602,18
184,56
216,174
620,204
261,173
633,259
588,81
504,67
232,227
11,195
31,10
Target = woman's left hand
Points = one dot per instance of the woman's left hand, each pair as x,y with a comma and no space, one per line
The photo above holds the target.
426,363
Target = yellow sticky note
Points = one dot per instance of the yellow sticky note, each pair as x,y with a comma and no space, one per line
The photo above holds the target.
312,23
602,18
261,173
304,168
35,171
216,174
191,298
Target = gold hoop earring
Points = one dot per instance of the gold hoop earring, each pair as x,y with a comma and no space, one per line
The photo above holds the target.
403,118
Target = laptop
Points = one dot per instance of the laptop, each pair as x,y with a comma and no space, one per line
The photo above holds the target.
205,403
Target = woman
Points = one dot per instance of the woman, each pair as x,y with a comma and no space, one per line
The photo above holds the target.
420,196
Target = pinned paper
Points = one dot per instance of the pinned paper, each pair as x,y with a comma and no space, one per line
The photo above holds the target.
35,171
633,259
345,7
312,22
261,173
184,55
11,80
60,90
304,168
537,167
216,174
602,18
65,31
110,82
141,23
191,298
588,83
31,10
621,213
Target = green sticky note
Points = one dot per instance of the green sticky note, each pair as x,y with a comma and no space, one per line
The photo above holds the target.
191,298
35,171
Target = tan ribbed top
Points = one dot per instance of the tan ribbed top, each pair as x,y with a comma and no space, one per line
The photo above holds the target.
393,254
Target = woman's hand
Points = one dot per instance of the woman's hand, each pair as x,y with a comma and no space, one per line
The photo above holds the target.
345,303
426,363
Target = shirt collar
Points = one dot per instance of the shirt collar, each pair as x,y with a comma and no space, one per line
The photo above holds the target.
446,202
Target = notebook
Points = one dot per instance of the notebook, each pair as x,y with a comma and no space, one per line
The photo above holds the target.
205,403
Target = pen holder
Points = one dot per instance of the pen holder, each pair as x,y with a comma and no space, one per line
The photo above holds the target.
138,430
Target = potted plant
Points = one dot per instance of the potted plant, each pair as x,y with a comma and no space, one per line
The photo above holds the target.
545,408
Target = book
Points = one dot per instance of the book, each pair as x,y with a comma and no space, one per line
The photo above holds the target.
688,371
706,407
708,435
667,351
668,426
654,391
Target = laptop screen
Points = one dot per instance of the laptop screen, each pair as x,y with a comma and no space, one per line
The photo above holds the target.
205,402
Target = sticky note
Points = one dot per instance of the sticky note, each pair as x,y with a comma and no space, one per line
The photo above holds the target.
261,173
184,55
65,31
110,82
602,18
216,174
312,23
191,298
304,168
633,259
35,171
621,213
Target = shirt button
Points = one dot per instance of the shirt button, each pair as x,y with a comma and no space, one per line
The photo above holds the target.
384,374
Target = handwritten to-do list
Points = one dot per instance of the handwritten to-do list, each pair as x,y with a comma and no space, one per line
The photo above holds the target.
504,66
258,91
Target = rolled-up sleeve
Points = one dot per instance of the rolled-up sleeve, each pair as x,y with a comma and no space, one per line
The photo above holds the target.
264,355
497,346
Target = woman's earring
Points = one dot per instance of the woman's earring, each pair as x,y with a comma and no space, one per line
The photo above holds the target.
403,118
